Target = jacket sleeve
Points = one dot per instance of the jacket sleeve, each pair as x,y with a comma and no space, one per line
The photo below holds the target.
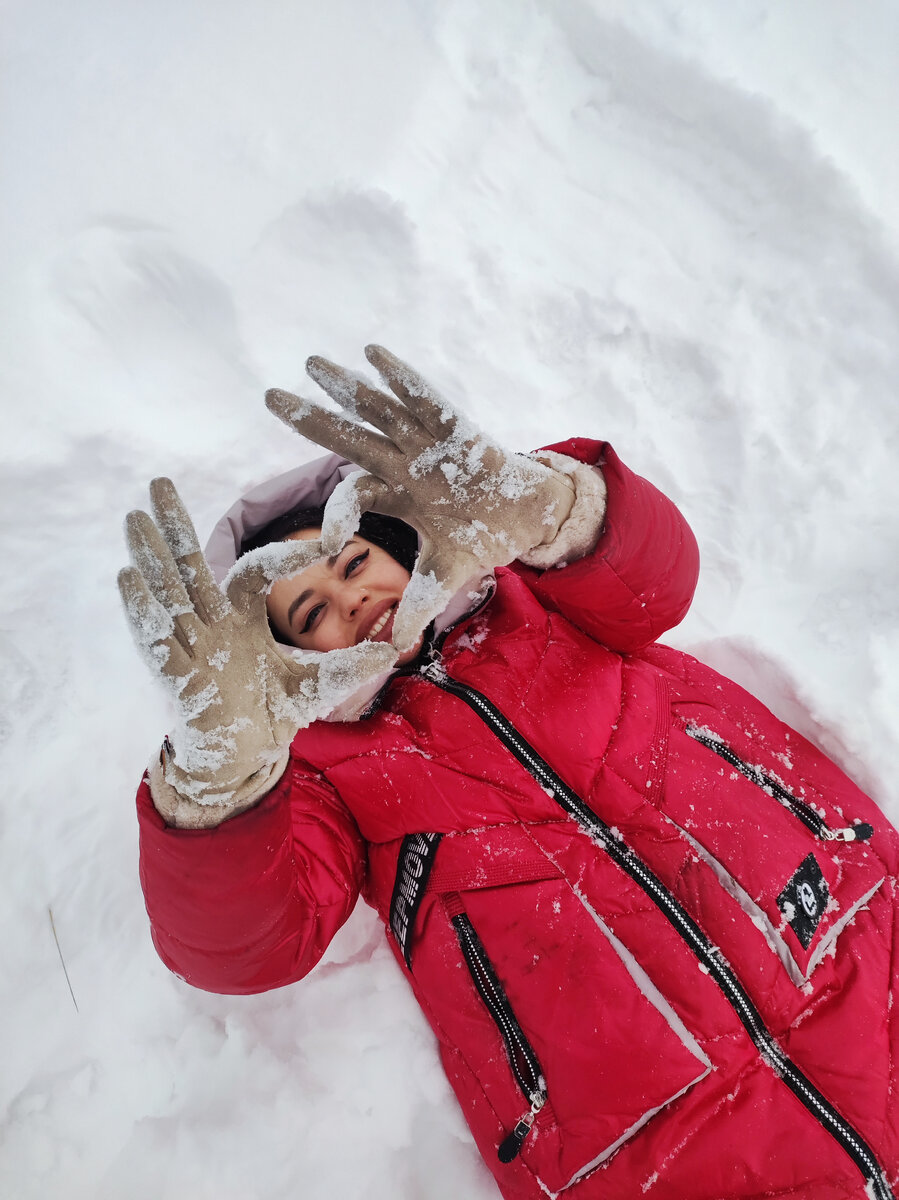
252,903
640,578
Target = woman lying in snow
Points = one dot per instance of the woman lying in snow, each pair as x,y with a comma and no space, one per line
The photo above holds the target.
651,927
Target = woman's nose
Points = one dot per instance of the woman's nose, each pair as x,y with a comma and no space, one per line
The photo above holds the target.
352,601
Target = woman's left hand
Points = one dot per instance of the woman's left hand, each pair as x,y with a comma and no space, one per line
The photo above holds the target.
475,504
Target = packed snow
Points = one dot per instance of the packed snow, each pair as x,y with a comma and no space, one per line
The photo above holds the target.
673,226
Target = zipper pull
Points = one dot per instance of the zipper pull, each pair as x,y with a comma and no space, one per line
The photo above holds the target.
853,833
434,671
510,1147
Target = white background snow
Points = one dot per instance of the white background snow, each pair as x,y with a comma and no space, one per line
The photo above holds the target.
671,225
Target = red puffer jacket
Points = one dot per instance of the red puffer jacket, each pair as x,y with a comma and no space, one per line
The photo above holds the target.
653,929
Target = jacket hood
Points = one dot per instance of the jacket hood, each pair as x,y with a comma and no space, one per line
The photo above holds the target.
309,485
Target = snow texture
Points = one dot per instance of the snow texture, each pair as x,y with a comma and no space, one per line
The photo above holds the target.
673,226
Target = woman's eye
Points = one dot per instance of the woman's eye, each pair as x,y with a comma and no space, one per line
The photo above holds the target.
355,563
311,618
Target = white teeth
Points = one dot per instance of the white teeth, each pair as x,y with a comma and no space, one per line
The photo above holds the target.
379,624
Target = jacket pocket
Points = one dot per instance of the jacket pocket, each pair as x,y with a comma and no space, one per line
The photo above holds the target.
558,1028
522,1057
798,869
802,809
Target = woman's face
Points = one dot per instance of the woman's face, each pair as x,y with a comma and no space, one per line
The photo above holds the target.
340,601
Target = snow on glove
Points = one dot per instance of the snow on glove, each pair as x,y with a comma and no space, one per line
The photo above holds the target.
239,697
475,504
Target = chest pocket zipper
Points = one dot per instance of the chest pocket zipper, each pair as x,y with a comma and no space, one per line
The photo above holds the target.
522,1059
800,809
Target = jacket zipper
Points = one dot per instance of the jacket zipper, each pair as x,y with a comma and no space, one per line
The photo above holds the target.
809,817
522,1059
708,955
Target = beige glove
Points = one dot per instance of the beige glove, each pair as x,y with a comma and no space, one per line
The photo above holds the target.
476,505
239,697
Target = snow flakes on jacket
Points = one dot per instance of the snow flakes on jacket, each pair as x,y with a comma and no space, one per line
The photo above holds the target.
651,927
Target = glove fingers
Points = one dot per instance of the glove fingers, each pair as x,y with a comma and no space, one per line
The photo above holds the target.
251,576
353,496
437,416
151,626
327,679
357,396
335,432
426,596
176,527
154,560
440,572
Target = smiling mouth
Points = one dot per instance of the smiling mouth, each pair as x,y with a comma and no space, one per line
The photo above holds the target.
380,624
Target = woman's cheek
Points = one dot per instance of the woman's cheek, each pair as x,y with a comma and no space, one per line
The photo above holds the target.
332,635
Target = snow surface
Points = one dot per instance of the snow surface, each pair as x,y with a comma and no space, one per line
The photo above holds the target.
670,225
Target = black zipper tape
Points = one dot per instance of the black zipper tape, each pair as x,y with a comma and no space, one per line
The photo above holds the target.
709,955
800,808
522,1059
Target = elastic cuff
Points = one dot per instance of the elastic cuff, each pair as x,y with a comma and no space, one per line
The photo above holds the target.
183,813
580,531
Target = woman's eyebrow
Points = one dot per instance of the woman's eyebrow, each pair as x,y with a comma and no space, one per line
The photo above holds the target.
332,559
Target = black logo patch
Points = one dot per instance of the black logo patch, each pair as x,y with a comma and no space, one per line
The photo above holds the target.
412,870
804,900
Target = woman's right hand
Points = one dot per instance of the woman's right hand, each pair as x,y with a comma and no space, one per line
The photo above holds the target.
239,696
475,504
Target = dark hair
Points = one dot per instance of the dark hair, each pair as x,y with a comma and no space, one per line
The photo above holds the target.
397,538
